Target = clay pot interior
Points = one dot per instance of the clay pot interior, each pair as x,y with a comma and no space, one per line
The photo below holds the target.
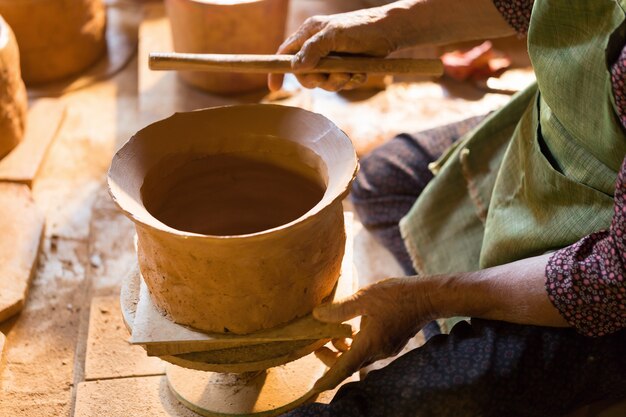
232,193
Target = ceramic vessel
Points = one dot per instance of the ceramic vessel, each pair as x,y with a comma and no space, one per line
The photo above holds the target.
238,213
57,38
13,102
227,27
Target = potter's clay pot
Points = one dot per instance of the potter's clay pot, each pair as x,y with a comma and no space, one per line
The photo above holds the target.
238,213
227,27
57,38
13,102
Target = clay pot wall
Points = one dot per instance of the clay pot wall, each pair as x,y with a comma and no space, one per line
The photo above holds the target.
57,38
13,101
227,27
246,282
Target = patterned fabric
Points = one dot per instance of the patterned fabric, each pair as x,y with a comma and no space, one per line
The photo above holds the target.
516,13
585,281
618,79
488,369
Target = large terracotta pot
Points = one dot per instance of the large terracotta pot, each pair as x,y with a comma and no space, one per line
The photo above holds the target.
13,102
57,38
238,213
227,27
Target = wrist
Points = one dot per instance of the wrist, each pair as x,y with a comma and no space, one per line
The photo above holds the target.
459,294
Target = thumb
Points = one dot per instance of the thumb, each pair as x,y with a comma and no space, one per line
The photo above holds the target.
340,311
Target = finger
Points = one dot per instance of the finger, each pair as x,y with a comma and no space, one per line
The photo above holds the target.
316,47
347,364
355,81
327,356
312,80
340,311
275,81
291,45
336,81
341,344
294,42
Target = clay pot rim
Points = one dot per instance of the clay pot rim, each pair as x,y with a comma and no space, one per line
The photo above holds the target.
5,33
160,227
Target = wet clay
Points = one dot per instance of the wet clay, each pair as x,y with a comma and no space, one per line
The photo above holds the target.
226,195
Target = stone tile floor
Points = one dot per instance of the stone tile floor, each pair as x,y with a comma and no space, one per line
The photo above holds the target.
70,342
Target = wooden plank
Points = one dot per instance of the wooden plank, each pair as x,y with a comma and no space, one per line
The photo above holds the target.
109,355
21,225
136,397
22,164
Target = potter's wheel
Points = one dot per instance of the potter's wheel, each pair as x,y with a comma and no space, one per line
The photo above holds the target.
264,374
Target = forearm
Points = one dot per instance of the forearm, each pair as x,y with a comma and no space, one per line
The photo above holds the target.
420,22
513,292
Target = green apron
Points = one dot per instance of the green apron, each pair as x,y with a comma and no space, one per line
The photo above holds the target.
540,173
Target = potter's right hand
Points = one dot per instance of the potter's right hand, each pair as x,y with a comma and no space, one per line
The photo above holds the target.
392,311
366,32
381,30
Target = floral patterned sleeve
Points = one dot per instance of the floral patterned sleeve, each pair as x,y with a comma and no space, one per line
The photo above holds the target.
516,13
587,281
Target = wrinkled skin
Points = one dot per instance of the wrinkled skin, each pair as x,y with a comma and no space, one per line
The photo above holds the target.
363,32
391,311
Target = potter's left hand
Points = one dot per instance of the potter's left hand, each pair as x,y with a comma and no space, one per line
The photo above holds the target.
392,311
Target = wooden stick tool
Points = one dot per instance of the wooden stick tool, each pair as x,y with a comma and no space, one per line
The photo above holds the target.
264,64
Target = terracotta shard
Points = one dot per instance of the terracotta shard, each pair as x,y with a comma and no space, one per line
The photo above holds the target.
57,38
23,224
22,164
13,102
236,283
228,27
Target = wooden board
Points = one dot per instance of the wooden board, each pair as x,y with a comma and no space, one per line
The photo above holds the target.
23,223
22,164
109,355
164,337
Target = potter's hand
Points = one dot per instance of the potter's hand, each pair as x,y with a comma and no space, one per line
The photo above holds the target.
360,32
392,311
381,30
